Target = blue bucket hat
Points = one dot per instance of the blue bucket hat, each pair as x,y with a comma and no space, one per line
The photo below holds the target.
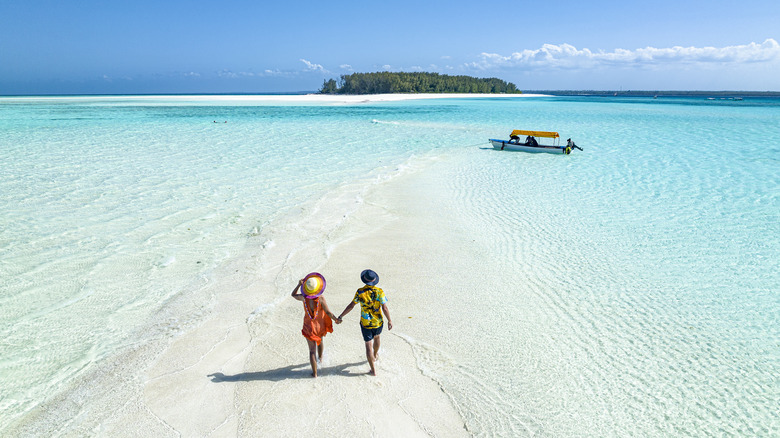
369,277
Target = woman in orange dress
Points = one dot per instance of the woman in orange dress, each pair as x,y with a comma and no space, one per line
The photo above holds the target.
317,318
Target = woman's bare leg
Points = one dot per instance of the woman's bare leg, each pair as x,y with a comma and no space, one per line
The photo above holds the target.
313,357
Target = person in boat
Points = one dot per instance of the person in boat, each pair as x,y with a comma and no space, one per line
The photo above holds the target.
532,142
317,318
527,140
570,143
514,139
373,304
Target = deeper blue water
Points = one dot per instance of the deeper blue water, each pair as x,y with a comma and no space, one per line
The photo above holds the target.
111,207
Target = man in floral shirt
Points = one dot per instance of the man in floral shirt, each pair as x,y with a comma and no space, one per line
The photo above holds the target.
373,303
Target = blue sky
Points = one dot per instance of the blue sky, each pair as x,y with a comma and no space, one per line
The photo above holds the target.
140,46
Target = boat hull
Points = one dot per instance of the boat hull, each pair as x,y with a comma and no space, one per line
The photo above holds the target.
503,145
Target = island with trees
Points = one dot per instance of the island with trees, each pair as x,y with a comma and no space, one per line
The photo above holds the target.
400,82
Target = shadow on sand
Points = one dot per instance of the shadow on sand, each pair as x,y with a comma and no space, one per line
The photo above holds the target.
301,371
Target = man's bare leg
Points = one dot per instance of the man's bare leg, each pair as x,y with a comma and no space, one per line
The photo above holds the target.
370,357
376,347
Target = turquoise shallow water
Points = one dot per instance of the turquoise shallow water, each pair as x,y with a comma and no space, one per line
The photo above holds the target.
653,255
638,279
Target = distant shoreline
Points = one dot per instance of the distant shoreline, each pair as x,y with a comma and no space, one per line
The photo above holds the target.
289,98
652,93
638,93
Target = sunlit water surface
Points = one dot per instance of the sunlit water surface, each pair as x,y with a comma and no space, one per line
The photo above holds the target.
650,260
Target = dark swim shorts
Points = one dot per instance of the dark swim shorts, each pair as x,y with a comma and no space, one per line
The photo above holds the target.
368,334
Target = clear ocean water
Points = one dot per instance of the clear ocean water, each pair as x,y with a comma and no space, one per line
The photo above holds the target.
651,260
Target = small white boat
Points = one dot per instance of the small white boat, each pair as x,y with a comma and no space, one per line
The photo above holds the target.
531,145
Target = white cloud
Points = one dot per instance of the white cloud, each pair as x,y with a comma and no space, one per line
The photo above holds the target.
225,73
229,74
312,67
565,56
346,67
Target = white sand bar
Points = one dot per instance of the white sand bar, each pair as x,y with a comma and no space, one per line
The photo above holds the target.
245,372
260,99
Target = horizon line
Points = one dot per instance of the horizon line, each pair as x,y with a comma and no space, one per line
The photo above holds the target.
295,93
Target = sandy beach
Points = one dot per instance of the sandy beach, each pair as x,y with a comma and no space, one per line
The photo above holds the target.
250,99
249,375
244,371
354,98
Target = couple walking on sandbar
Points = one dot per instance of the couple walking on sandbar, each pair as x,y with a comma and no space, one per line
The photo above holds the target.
318,319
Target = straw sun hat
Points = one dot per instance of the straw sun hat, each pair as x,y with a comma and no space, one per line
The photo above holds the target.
313,285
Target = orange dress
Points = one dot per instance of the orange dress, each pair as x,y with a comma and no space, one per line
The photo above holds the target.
316,324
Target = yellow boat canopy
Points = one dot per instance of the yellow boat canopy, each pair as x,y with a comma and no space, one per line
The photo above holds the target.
520,132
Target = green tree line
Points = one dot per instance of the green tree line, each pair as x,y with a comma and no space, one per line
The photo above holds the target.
399,82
